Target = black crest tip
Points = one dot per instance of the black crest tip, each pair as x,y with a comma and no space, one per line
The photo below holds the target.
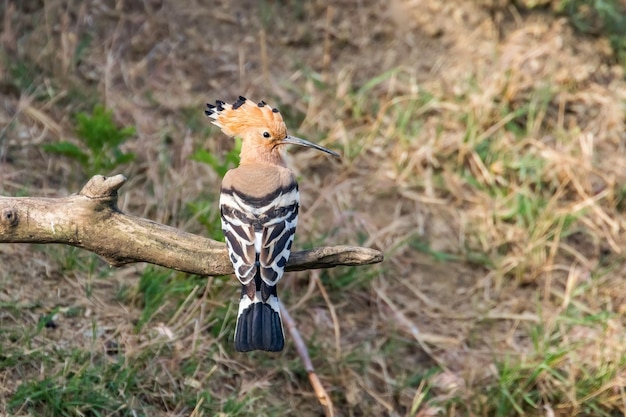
239,102
261,103
275,111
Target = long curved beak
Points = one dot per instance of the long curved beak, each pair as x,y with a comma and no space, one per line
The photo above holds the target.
297,141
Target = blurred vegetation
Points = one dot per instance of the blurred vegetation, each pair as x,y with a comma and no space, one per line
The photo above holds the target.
600,18
205,209
101,140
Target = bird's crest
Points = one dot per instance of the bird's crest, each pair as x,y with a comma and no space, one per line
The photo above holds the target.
243,115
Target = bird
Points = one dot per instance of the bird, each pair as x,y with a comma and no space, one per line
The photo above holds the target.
259,202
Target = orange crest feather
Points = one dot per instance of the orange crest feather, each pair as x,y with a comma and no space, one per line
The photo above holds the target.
243,115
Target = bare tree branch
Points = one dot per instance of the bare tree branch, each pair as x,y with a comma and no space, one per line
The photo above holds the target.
91,220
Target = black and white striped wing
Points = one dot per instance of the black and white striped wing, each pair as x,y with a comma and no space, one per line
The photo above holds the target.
240,240
259,237
276,240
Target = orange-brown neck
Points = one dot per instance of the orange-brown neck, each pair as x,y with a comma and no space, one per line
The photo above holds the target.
256,153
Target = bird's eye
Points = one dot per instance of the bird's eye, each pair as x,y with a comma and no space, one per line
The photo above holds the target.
266,135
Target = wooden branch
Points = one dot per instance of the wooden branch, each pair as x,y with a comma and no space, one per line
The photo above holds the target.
91,220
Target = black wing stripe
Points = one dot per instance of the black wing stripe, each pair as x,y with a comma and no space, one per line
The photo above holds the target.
281,262
235,245
240,231
276,230
265,200
280,246
269,275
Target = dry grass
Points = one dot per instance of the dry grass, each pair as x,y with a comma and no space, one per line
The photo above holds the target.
483,152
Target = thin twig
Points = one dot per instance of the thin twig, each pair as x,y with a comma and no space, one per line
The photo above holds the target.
319,389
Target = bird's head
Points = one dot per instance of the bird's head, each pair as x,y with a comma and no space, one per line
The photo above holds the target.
259,126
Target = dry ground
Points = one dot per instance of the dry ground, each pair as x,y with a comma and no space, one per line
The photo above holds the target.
483,150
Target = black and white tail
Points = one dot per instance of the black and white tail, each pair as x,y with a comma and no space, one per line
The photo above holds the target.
259,324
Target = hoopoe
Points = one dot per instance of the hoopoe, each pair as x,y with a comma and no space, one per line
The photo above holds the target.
259,203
